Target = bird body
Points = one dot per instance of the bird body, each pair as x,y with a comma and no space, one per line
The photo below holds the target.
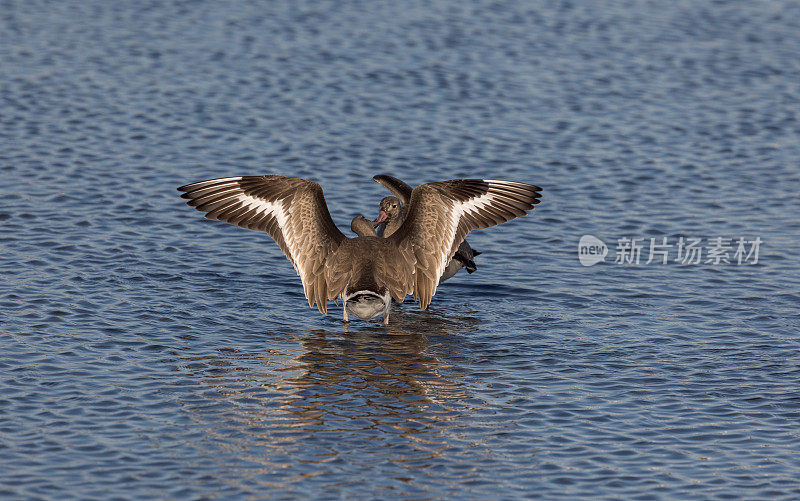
392,214
369,271
366,271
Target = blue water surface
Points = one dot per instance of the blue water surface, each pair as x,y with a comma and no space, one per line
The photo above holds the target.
146,352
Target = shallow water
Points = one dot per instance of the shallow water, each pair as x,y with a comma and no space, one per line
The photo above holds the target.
147,352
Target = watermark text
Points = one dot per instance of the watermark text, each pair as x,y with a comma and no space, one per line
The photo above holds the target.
715,251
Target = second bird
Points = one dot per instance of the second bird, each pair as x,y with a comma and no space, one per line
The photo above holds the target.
392,213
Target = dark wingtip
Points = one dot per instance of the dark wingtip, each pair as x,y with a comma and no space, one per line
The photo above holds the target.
396,186
476,253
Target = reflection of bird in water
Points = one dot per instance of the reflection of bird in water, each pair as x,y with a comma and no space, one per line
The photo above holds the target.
397,374
395,362
370,386
366,271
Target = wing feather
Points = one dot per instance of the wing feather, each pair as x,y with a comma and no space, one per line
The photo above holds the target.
398,188
291,210
440,215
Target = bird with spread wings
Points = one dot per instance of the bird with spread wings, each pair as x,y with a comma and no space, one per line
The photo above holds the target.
293,212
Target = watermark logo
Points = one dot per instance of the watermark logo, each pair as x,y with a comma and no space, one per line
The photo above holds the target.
684,251
591,250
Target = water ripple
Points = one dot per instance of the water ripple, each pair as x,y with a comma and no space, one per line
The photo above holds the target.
149,353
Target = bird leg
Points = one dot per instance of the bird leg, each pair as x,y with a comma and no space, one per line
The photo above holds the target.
345,319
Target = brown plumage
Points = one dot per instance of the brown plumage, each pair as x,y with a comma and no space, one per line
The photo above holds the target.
440,215
392,213
362,227
365,270
291,210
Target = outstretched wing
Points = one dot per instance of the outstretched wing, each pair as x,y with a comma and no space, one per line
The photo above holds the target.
398,188
441,214
291,210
